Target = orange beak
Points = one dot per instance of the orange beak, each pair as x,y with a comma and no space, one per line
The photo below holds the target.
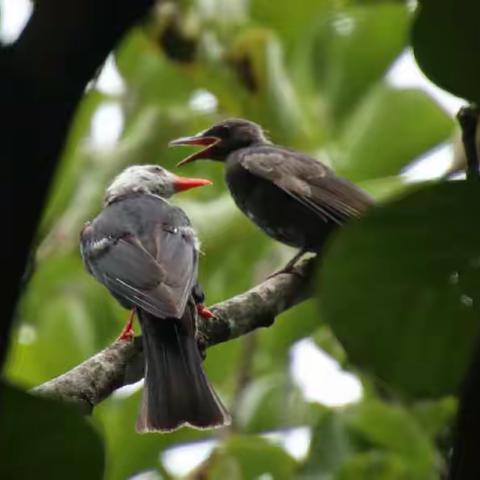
181,184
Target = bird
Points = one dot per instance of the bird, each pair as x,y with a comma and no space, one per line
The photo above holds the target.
292,197
145,252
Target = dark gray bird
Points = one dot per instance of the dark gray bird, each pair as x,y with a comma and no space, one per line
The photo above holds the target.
292,197
145,251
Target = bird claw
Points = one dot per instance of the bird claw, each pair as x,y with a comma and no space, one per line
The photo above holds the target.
204,312
289,267
128,333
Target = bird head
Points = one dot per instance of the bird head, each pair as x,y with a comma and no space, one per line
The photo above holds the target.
152,179
222,139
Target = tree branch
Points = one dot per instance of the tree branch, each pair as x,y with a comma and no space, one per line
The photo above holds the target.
121,363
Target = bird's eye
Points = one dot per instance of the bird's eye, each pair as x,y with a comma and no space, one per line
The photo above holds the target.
222,131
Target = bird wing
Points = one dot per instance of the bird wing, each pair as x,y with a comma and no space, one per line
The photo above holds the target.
156,279
307,180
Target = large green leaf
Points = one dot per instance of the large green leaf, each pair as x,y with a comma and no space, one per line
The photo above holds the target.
446,45
400,288
388,130
40,438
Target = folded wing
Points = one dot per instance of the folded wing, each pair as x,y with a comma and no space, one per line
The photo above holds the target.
307,180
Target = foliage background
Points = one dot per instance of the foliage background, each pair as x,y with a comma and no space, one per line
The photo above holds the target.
314,75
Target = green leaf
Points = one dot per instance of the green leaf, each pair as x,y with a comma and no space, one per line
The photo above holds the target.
289,23
375,465
149,75
66,317
257,57
400,289
40,438
292,325
435,417
330,447
270,402
395,429
370,437
128,452
446,45
388,130
253,456
345,65
383,188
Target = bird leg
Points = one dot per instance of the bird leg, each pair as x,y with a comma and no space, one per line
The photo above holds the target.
289,267
127,332
204,312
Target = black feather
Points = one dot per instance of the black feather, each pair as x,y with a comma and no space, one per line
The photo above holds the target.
176,390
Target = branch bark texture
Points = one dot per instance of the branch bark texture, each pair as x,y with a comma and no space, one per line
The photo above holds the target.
121,363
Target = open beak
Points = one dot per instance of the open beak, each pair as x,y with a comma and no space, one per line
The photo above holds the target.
208,142
185,183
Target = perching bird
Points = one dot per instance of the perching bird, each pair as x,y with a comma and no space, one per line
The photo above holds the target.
144,250
292,197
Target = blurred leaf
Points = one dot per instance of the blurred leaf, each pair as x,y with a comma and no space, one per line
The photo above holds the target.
330,448
400,287
294,324
253,457
388,130
289,23
395,429
270,402
446,45
148,74
64,338
383,188
373,438
345,64
128,452
66,317
375,465
221,365
40,438
327,342
257,57
435,416
224,467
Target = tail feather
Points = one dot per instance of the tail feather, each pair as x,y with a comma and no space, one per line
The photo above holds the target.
176,390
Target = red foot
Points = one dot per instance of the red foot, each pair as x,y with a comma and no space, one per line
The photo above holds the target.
204,312
127,332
